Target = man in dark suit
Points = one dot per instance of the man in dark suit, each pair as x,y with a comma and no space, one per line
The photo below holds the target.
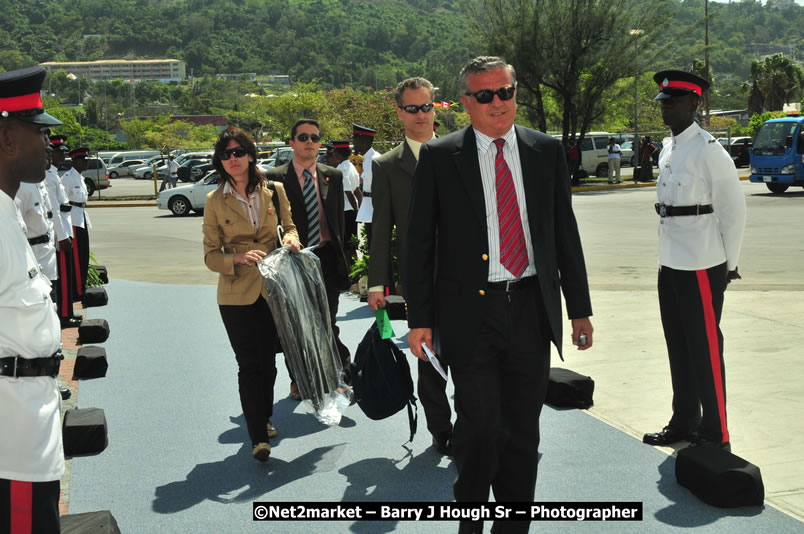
315,192
491,238
392,178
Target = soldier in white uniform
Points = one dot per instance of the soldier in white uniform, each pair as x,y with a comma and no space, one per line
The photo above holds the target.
702,219
77,192
363,139
31,452
63,226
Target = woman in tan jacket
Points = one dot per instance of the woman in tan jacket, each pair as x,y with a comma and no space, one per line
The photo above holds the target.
240,228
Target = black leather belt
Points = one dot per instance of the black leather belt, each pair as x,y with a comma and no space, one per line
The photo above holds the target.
78,204
367,194
16,366
663,210
50,215
512,285
39,240
65,207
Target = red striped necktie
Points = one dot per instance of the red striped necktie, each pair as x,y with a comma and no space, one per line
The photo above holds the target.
513,251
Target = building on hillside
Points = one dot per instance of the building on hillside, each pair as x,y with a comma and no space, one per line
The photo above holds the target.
161,70
241,77
740,115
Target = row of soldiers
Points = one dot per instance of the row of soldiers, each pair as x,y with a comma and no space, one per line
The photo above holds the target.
54,219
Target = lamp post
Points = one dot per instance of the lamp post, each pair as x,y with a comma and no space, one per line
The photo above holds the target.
635,145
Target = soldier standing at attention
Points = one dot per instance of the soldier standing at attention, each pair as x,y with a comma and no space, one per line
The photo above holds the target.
31,451
702,219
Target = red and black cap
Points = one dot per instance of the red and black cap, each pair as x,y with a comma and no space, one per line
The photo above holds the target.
20,98
59,142
80,152
678,83
362,130
329,148
340,144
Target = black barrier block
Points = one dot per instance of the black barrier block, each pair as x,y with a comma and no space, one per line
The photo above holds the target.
84,431
102,522
93,331
90,362
719,478
94,297
568,389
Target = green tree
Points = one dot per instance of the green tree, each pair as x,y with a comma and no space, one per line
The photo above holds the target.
775,81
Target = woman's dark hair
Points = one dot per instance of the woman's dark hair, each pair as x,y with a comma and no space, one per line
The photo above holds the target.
233,133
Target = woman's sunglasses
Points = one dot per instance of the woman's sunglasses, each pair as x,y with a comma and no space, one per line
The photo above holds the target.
485,96
238,152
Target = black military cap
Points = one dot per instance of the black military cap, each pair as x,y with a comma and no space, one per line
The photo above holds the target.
362,130
677,83
340,144
80,152
20,98
59,142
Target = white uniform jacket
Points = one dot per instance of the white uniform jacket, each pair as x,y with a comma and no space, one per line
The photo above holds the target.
30,407
366,207
77,192
62,222
37,212
694,169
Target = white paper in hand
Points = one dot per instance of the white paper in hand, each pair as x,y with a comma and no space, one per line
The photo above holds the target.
434,361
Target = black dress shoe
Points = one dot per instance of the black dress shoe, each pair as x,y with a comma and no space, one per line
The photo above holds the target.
68,322
65,393
668,436
703,442
442,441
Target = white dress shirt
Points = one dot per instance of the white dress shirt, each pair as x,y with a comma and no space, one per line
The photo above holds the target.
30,407
351,181
62,221
694,169
486,154
366,210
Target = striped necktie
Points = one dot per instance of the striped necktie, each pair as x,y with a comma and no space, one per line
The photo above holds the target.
311,205
513,251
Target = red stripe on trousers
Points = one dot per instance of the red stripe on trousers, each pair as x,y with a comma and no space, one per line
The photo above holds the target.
714,348
79,284
64,288
21,507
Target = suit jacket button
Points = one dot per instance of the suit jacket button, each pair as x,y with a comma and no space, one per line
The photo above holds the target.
485,257
256,241
482,292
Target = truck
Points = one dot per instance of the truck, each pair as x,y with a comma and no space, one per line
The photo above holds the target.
777,158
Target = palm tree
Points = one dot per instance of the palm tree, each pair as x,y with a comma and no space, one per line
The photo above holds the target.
774,81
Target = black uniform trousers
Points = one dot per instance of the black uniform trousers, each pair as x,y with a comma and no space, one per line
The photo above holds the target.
64,284
252,335
499,393
29,507
80,260
691,303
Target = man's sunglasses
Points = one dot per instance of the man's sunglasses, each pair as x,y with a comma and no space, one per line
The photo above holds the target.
485,96
238,152
304,137
415,109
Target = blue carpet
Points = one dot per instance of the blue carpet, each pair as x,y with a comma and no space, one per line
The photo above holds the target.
177,460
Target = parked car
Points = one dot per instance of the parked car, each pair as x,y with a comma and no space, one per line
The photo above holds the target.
125,168
146,171
738,149
120,157
183,199
199,171
185,171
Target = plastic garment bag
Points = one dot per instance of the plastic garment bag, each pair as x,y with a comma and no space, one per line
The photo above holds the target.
298,303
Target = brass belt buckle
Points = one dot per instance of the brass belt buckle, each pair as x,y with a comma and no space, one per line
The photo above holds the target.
662,210
16,357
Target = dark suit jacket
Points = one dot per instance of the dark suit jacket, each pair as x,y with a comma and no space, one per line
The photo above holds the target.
448,218
330,190
391,183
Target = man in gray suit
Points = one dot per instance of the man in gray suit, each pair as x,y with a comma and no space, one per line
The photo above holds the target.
392,175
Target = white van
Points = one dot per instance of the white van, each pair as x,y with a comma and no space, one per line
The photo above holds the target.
120,157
